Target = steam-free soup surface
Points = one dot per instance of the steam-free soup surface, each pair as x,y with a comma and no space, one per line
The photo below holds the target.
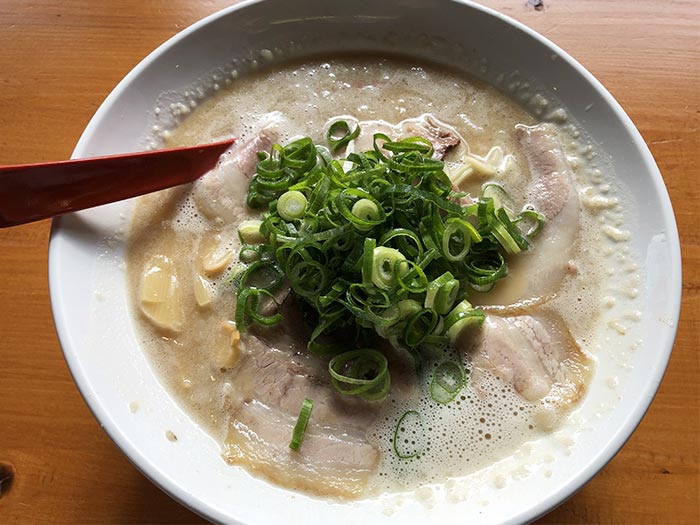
527,366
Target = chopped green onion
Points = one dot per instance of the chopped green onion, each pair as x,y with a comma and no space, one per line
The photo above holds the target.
384,267
410,277
459,233
408,308
263,274
368,260
534,219
291,205
501,198
308,278
408,436
419,326
401,236
374,245
512,229
249,232
448,380
363,373
483,288
301,424
462,316
484,268
249,254
250,309
236,272
367,211
341,126
419,144
503,236
441,293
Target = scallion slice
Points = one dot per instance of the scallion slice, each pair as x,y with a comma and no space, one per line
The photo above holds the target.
408,435
339,134
448,380
458,235
251,308
501,198
366,210
462,316
291,205
301,424
249,232
384,267
363,373
248,254
533,219
441,293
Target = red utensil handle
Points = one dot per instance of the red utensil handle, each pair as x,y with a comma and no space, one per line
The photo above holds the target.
32,192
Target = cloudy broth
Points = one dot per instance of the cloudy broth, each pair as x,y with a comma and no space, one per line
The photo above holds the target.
194,354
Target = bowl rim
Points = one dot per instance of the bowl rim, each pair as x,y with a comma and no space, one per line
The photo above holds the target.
204,509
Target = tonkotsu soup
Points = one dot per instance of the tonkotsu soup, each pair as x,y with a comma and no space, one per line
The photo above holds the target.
460,281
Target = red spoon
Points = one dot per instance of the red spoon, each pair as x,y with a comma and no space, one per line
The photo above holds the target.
31,192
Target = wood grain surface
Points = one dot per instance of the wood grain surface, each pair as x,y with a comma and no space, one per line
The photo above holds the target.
58,61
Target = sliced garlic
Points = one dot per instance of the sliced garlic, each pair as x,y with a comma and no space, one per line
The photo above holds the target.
161,296
213,255
155,281
213,263
203,291
228,345
249,232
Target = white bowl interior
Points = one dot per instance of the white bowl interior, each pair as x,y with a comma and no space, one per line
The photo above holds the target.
87,274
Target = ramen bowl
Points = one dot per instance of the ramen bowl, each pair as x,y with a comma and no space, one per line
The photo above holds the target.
102,346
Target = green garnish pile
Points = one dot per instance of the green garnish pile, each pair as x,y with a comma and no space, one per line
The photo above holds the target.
375,245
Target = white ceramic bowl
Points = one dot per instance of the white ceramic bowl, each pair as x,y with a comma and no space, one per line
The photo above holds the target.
87,277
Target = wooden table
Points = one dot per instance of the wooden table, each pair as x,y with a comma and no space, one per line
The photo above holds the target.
58,61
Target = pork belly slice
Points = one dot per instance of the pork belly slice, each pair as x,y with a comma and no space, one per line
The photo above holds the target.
551,189
335,458
535,353
537,274
221,193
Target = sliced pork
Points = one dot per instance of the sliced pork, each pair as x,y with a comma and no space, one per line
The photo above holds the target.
536,275
535,353
221,194
335,458
551,189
